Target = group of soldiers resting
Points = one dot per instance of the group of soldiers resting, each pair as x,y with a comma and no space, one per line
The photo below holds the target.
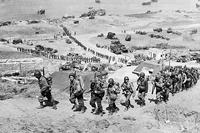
172,80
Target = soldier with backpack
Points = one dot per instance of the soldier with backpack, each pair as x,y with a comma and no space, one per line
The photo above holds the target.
45,90
127,91
97,94
142,88
112,91
76,93
158,86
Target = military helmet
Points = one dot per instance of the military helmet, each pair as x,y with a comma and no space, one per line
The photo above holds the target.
126,78
142,74
37,73
111,81
72,74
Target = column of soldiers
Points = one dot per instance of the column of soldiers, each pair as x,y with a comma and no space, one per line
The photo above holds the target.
170,80
111,90
98,89
59,57
69,58
173,80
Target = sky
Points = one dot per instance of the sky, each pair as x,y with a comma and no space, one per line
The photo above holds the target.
26,9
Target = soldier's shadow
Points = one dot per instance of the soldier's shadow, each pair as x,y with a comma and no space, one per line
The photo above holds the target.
50,104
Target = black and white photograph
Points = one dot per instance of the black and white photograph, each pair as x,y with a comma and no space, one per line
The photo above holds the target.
99,66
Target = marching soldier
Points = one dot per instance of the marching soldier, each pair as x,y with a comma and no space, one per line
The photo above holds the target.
45,90
76,93
127,91
174,83
180,81
142,88
158,85
184,78
112,91
166,88
195,76
97,94
188,82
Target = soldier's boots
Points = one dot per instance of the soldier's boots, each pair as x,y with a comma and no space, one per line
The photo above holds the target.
143,103
77,108
74,106
111,109
166,99
83,109
132,106
128,105
99,112
126,109
93,110
116,108
158,101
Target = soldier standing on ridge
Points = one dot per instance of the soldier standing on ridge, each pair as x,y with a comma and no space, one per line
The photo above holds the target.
174,83
158,85
44,90
184,77
97,94
166,88
76,92
142,88
112,91
127,91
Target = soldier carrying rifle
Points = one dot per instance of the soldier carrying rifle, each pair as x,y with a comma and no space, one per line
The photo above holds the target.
45,90
127,91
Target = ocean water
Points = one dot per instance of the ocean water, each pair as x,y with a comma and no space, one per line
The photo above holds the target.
27,9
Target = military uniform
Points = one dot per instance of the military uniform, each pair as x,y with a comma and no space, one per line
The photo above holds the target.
97,94
112,92
184,78
127,91
174,84
76,92
180,82
45,91
142,89
195,77
189,80
158,85
166,89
